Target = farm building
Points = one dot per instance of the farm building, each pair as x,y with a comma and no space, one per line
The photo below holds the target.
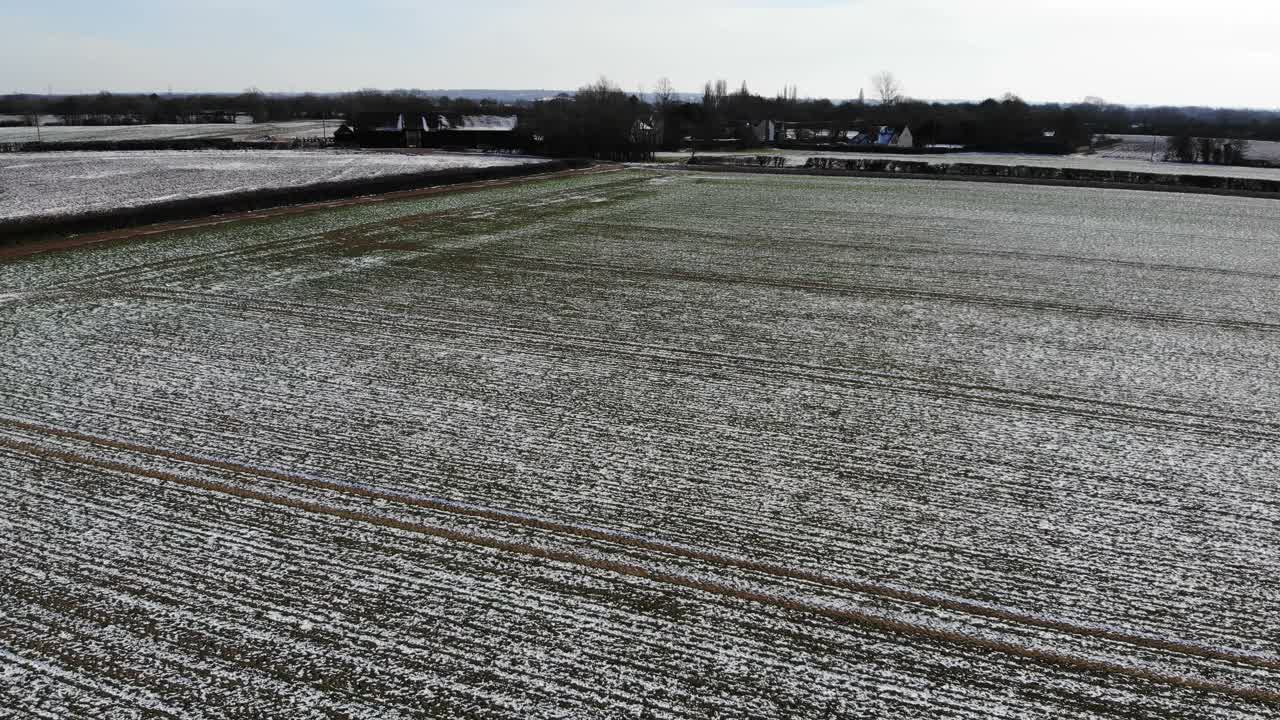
765,131
380,129
345,135
896,136
434,130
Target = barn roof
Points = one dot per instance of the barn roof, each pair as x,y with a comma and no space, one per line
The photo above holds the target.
380,121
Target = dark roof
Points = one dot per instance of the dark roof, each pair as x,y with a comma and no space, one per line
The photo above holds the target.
374,121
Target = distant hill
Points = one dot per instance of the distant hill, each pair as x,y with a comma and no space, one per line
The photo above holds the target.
510,96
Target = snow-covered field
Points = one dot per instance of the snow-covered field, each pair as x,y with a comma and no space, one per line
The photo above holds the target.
639,444
207,131
1125,157
40,184
1143,147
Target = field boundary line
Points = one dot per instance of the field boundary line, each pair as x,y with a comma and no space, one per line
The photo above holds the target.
993,179
974,246
845,615
12,250
673,549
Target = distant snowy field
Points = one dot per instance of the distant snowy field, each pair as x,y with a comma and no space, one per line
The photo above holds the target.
1140,147
34,184
207,131
1123,158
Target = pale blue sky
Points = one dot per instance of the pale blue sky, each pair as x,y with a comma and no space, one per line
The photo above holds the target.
1135,51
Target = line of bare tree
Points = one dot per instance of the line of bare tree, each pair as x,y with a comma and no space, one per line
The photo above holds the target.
1212,151
602,119
106,108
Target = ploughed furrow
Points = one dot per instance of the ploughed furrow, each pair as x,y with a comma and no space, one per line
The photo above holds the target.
1155,573
893,234
665,548
193,578
231,674
189,248
407,326
402,328
32,690
652,444
250,388
1200,425
931,615
136,586
95,687
870,564
480,346
893,292
319,385
42,688
388,648
1050,695
556,346
149,272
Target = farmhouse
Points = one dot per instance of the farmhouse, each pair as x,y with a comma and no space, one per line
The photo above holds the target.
896,136
434,130
765,132
380,129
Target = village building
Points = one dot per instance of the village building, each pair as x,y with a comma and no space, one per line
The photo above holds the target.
896,136
423,130
765,132
380,129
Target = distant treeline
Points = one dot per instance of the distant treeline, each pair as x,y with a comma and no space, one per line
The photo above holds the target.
602,120
118,109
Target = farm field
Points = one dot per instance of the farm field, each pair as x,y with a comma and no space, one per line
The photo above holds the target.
1139,147
1124,157
652,444
192,131
68,183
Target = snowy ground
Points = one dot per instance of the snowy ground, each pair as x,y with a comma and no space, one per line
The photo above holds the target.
38,184
1143,147
245,132
639,444
1127,157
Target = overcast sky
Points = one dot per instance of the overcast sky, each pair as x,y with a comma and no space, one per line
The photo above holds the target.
1224,53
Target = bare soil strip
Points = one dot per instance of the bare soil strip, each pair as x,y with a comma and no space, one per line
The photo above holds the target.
649,544
42,246
847,615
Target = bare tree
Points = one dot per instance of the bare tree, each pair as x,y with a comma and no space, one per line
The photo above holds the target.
663,92
1180,148
1237,152
887,87
1206,148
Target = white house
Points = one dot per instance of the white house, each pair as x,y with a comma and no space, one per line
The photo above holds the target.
897,137
765,131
